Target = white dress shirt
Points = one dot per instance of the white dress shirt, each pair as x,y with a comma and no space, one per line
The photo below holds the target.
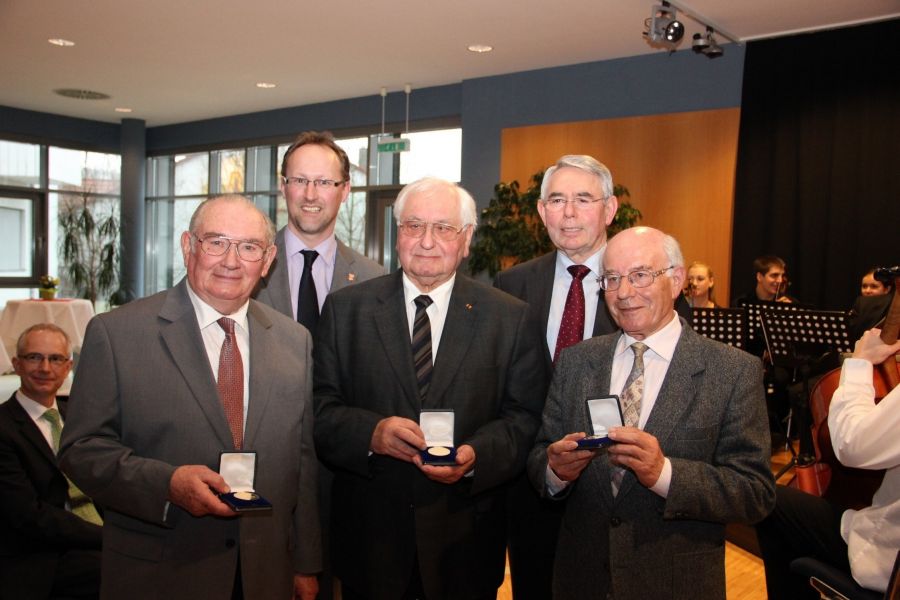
322,267
865,435
437,311
36,410
213,336
657,358
562,281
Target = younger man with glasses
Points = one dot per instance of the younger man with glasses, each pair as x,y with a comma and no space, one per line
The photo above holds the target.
311,261
646,518
425,337
49,531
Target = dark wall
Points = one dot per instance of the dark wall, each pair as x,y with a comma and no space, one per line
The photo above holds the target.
56,130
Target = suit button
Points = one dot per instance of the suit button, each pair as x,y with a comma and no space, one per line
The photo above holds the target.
229,543
615,521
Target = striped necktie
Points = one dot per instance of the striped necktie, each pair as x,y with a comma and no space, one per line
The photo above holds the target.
421,345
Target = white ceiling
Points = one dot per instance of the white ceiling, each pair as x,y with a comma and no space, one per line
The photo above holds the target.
182,60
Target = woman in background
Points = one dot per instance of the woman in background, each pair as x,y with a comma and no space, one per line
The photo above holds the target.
699,291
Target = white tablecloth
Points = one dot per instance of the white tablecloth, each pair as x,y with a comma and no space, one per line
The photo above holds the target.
70,315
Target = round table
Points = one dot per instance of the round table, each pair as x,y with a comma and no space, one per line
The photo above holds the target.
70,315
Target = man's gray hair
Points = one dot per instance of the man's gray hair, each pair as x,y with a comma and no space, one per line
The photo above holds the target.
673,251
197,217
586,163
468,215
20,343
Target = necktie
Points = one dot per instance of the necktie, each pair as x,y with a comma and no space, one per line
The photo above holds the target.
632,394
421,345
80,505
571,327
307,299
230,383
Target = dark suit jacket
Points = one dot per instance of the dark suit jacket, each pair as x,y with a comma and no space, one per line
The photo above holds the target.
35,527
710,420
349,267
143,402
489,370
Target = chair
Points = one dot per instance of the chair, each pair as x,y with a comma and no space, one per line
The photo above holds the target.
834,584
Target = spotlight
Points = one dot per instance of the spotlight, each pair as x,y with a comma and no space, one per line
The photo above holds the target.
706,44
663,26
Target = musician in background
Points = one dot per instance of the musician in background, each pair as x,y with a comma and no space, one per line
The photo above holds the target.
699,291
771,282
862,542
872,287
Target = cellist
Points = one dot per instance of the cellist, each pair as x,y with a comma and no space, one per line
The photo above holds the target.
862,542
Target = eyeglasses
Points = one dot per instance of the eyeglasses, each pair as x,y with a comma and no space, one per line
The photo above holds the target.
36,359
640,278
217,245
317,183
557,203
442,231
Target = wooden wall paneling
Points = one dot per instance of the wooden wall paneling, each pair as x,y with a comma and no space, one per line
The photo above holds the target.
679,168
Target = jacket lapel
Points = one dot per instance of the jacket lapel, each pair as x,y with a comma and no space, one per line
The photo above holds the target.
278,287
261,371
459,331
343,268
393,330
29,430
181,335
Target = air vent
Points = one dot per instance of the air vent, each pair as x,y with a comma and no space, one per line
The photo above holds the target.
82,94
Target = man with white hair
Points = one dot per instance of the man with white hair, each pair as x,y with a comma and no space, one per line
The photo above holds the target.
646,518
389,351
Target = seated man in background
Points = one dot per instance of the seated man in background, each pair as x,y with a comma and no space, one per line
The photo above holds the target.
49,531
771,282
863,542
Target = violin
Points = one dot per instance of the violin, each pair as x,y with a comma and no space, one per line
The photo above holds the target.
849,487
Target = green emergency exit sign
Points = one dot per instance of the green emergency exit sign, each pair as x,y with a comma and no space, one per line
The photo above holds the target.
393,146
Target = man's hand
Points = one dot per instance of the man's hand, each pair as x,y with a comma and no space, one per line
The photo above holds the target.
192,487
465,462
639,451
566,460
398,437
305,587
871,348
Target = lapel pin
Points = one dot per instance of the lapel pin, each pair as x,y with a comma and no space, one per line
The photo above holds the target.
351,277
468,307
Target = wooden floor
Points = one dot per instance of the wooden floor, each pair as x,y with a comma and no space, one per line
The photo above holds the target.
744,576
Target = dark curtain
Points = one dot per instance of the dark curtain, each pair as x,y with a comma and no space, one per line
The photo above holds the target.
817,169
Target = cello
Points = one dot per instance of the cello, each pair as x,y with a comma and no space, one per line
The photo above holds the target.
846,486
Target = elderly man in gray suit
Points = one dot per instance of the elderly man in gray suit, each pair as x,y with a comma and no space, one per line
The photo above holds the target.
169,383
311,261
646,518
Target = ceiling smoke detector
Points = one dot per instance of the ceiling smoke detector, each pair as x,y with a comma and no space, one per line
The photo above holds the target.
81,94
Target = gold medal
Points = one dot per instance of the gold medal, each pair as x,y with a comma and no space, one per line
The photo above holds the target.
439,451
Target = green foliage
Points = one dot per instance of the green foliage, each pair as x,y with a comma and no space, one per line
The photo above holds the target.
90,247
511,230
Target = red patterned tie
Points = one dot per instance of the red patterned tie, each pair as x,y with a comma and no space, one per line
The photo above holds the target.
571,328
231,382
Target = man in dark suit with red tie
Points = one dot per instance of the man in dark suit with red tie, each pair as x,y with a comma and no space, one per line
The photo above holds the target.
576,205
49,532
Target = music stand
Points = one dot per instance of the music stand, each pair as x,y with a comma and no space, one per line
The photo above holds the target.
726,325
754,308
799,339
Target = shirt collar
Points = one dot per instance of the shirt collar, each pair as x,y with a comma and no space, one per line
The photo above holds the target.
593,262
439,295
34,409
327,248
207,315
662,343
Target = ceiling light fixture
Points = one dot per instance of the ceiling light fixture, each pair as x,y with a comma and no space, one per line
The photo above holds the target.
82,94
663,27
61,42
479,48
265,85
123,109
707,44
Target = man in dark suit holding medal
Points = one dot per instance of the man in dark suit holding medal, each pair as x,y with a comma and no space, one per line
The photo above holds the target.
425,337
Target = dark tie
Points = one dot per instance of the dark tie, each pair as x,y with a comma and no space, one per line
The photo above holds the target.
80,504
307,299
571,327
632,394
421,345
231,382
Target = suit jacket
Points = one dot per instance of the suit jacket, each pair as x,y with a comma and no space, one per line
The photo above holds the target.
35,527
144,402
489,370
710,420
532,282
349,267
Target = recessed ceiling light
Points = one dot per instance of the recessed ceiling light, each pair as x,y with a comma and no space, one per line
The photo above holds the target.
123,109
479,48
265,85
61,42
